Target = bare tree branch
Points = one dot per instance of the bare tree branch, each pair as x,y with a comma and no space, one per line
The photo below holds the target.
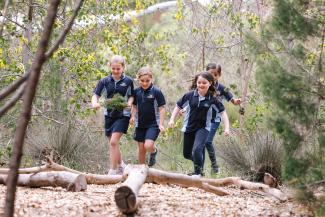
7,18
44,116
5,11
10,103
11,88
25,115
61,38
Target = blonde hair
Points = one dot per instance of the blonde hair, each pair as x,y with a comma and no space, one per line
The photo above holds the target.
117,59
146,70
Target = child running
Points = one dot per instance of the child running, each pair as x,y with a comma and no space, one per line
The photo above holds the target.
116,121
222,93
200,104
148,113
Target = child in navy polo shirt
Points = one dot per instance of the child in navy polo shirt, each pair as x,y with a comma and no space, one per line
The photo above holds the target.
148,114
116,122
222,93
200,104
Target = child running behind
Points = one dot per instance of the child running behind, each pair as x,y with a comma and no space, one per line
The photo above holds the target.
148,113
200,104
222,93
116,121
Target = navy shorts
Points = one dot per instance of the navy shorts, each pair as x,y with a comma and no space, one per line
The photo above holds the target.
141,134
116,125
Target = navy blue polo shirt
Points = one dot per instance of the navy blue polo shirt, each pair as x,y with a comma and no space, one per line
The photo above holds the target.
198,110
222,93
109,87
148,102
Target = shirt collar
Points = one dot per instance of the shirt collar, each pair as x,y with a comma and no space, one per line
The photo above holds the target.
196,93
121,78
149,88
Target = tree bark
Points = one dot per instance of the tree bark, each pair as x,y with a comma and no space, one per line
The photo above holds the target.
70,181
126,196
27,107
5,11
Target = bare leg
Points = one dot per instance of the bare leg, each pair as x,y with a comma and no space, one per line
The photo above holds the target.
149,145
115,153
142,153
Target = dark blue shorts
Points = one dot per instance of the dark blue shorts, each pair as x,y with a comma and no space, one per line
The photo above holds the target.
141,134
116,125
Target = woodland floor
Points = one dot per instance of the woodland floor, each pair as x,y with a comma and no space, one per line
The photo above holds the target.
156,200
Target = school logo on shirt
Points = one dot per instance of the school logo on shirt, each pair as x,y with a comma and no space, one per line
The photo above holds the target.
150,96
123,84
206,105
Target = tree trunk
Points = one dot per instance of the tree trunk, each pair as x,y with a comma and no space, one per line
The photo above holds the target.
27,107
70,181
126,196
5,11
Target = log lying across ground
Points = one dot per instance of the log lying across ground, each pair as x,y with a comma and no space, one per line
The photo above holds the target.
162,177
126,196
70,181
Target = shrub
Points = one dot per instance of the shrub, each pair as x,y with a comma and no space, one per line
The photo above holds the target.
253,155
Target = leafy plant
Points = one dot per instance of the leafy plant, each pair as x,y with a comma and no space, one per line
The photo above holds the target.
117,102
253,155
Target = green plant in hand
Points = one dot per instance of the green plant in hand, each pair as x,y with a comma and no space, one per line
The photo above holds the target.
117,102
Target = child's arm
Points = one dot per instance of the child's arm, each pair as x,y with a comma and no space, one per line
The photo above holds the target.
162,112
130,101
172,118
94,101
134,110
225,120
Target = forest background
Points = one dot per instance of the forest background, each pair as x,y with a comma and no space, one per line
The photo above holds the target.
271,53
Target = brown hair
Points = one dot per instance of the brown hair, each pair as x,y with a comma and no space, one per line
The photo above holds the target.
117,59
146,70
214,66
209,77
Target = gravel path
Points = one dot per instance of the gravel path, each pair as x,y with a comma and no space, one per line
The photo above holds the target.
156,200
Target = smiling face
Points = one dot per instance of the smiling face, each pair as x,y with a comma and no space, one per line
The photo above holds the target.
202,85
117,69
145,81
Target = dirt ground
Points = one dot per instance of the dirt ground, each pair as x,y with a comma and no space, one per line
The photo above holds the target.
156,200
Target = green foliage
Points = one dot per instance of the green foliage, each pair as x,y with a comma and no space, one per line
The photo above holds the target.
117,102
289,71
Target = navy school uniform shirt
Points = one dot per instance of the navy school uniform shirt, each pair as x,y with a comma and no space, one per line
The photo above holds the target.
222,93
199,110
109,87
148,102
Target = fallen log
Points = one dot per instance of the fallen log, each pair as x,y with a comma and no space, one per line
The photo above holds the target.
126,196
70,181
162,177
50,165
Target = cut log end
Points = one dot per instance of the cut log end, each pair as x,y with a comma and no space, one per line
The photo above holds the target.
125,199
79,184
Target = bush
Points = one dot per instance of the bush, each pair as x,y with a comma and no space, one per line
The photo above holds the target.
252,155
68,144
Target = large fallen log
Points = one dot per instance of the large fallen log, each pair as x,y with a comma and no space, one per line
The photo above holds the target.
70,181
50,165
126,196
162,177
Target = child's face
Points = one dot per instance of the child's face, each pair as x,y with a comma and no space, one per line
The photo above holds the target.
117,69
214,72
145,81
202,85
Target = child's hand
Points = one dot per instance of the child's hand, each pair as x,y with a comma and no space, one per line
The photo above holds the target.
236,101
161,128
227,133
96,105
171,124
132,120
